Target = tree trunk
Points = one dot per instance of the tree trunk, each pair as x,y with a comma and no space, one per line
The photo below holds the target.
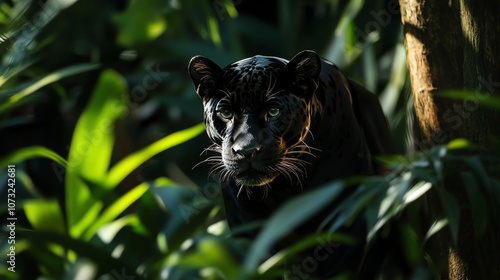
450,45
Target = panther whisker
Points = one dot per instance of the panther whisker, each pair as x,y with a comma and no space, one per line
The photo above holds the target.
288,168
309,147
212,148
210,160
284,173
215,169
299,161
291,167
300,153
239,191
266,191
310,133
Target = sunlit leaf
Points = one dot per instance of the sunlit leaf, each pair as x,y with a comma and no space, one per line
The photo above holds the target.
416,191
47,79
436,227
457,144
29,153
45,215
108,232
91,148
115,209
133,161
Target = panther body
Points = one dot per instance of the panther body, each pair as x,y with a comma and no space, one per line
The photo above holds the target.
282,127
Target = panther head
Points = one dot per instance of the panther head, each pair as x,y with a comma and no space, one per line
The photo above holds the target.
257,113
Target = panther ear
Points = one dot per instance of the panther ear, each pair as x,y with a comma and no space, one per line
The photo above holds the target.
203,72
304,69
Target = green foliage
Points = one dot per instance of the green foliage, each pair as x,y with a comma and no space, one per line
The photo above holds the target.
100,118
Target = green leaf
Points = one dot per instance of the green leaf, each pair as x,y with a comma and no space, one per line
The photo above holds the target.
45,215
187,210
29,153
133,161
99,256
114,210
478,203
287,218
143,21
452,212
212,254
91,148
416,192
392,92
15,99
479,171
336,49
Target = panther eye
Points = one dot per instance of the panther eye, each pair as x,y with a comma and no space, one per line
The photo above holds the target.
273,111
225,114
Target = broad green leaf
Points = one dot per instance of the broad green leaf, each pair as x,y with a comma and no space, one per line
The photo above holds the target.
123,168
48,79
29,153
115,209
108,232
141,22
287,218
45,215
91,148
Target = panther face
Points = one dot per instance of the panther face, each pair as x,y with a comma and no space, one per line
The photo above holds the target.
257,114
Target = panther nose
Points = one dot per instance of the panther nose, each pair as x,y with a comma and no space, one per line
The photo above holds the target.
246,151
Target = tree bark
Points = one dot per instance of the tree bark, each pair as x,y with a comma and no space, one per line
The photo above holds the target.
453,45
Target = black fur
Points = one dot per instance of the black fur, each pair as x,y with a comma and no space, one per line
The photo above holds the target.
327,128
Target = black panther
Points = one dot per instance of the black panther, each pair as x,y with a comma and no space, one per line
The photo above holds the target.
280,128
